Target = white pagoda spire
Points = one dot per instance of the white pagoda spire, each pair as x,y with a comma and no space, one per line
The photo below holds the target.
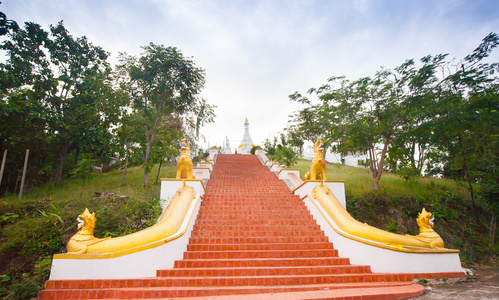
247,142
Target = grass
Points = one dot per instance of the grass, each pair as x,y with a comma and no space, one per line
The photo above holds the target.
34,229
358,182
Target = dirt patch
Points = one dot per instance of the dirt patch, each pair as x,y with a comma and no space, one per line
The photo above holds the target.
484,284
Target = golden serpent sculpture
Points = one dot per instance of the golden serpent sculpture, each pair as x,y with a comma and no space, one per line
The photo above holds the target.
84,241
426,240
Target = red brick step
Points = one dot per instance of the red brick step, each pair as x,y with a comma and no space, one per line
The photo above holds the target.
264,271
261,262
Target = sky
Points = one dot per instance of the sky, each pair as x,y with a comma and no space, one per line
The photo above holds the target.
256,53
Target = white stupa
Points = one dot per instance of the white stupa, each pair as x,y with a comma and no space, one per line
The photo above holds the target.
227,149
247,142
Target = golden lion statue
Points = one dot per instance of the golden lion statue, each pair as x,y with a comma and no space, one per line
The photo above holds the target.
184,162
79,242
318,165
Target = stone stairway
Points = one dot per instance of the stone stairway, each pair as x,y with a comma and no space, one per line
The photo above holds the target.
252,236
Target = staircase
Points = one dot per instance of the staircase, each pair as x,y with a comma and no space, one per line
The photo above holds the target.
252,236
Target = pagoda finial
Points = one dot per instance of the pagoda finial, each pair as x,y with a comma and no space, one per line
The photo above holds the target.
246,121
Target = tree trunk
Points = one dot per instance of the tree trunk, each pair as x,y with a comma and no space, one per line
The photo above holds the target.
159,170
3,165
77,154
149,139
83,184
21,190
126,163
377,170
62,159
467,171
470,184
492,230
146,160
413,152
17,181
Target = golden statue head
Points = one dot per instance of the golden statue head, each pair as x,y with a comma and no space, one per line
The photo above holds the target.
184,144
319,146
86,221
425,221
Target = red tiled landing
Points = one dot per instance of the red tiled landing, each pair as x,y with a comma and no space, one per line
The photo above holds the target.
367,293
342,291
252,236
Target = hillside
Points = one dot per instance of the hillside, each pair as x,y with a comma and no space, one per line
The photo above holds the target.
39,226
462,224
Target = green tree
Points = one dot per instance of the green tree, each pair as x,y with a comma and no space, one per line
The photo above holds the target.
366,115
465,127
85,167
56,96
82,109
370,115
202,114
129,133
281,152
168,142
465,122
295,139
161,82
24,81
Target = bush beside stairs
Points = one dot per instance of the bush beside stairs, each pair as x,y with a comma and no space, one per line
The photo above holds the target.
252,236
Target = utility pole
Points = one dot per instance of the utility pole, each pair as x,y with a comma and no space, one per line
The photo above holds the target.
24,174
3,165
126,162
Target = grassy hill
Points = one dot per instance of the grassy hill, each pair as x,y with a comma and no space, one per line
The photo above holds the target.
33,229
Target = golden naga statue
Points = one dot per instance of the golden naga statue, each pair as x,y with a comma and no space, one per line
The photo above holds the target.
426,240
426,232
184,162
318,165
166,228
79,243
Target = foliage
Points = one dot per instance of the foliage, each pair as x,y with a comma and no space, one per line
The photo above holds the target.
254,148
29,284
8,218
160,83
203,113
285,155
410,116
408,173
60,99
56,99
85,166
392,226
53,217
270,147
281,152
